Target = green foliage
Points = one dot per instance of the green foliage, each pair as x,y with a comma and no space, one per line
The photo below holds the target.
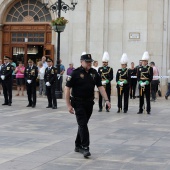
59,21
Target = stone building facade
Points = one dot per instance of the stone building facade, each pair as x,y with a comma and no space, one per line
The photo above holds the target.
116,26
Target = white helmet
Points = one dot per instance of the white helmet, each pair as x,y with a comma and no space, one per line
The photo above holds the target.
124,59
145,56
105,57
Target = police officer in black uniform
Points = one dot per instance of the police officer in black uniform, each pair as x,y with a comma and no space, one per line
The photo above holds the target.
123,80
106,74
82,81
50,77
30,74
6,77
145,76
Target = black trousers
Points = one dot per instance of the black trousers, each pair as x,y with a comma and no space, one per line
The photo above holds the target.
154,87
7,90
108,92
144,92
83,111
31,92
133,87
50,90
123,91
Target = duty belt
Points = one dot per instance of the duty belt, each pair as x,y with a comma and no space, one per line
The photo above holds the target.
83,99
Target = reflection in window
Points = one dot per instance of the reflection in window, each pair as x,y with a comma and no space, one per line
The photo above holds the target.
23,10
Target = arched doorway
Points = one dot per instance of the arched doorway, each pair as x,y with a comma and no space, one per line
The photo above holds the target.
26,31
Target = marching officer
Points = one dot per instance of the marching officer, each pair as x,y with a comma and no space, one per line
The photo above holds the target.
123,80
6,77
145,75
30,74
106,74
50,77
82,82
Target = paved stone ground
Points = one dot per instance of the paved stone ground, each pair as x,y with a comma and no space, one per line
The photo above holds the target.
43,139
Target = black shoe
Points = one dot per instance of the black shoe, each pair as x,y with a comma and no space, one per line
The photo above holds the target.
100,110
107,110
125,111
33,105
77,149
9,104
28,105
49,107
5,104
54,107
152,100
148,113
85,152
166,97
139,112
130,97
134,97
118,111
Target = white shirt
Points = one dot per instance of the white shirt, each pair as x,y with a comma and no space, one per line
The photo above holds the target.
41,73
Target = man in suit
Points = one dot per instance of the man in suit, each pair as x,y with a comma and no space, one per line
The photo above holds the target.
6,77
50,77
30,74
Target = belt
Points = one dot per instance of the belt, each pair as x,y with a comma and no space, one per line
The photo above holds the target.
144,78
83,99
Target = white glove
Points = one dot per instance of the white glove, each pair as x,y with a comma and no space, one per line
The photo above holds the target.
103,82
47,84
121,83
29,81
2,77
143,84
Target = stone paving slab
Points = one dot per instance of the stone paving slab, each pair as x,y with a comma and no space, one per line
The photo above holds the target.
43,139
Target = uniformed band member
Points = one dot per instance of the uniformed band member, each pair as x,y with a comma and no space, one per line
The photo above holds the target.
133,80
82,81
50,77
6,77
123,80
30,74
106,74
145,75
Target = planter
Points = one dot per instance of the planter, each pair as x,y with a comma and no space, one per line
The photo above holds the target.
58,28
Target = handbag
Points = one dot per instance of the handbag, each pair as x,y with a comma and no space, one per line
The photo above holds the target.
159,91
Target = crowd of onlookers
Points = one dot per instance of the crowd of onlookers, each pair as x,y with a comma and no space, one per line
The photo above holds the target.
18,75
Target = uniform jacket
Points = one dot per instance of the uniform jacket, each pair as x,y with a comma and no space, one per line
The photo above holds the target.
122,75
106,73
31,73
6,71
50,75
145,73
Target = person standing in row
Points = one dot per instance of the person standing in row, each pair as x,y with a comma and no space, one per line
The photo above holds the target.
30,74
6,77
50,77
106,74
19,71
145,76
123,80
154,82
82,81
137,85
133,80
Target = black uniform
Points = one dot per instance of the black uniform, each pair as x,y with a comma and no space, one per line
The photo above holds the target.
51,76
133,82
7,70
123,75
106,73
31,73
145,73
82,84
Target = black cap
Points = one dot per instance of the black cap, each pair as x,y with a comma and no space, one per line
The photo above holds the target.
6,57
153,63
87,57
49,60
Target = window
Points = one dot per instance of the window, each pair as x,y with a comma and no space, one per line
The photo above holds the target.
28,11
